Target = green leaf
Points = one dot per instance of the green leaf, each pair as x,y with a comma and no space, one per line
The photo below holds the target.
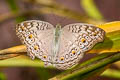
82,72
2,76
91,9
14,9
43,73
111,73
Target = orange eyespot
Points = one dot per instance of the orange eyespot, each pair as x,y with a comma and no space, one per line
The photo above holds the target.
83,40
30,36
35,47
62,58
44,56
73,52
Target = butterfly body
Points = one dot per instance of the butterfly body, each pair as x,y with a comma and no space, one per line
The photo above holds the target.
60,47
56,42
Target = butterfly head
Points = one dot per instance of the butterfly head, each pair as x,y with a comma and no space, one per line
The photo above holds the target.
58,26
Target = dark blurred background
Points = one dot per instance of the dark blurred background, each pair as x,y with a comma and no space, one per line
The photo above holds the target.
110,10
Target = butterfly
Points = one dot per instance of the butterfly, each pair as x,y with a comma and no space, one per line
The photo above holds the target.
60,47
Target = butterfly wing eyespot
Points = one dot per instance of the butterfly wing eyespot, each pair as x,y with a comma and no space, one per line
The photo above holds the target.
73,52
61,58
30,36
44,56
83,40
36,47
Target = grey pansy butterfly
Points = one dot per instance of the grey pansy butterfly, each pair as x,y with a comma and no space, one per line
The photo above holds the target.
60,47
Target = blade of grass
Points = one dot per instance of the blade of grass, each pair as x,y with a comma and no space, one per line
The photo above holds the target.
80,72
14,8
21,61
110,26
111,73
43,73
2,76
93,74
91,9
